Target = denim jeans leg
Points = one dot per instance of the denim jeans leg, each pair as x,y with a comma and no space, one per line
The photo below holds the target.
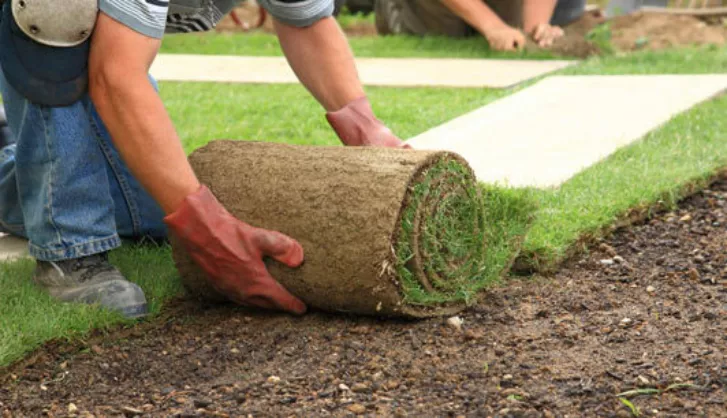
138,216
64,186
11,215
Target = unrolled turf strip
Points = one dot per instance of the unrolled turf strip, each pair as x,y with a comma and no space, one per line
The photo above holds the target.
385,232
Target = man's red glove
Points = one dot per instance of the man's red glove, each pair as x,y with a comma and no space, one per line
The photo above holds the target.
231,252
357,126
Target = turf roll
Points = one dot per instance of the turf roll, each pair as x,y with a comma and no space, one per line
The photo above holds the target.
385,232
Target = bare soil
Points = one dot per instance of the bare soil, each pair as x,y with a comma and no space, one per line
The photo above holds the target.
638,31
646,310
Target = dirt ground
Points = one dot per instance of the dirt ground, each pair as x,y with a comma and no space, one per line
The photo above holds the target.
647,309
638,31
628,33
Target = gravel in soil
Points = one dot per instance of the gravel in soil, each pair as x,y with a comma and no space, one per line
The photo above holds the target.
645,312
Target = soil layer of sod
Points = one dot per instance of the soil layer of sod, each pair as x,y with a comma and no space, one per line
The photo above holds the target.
644,316
385,232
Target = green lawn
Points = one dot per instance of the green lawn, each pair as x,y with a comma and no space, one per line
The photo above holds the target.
688,149
264,44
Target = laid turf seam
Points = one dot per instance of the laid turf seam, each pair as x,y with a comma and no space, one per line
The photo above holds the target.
529,262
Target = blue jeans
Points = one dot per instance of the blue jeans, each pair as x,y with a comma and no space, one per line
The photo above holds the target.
63,185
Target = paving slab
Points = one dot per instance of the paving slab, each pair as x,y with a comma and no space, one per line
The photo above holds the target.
391,72
12,247
544,134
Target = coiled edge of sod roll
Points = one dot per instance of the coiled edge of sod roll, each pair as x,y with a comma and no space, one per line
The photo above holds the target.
439,241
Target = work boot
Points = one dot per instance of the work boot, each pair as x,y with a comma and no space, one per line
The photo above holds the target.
91,280
6,137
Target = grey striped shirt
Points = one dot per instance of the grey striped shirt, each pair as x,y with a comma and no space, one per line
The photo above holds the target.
153,18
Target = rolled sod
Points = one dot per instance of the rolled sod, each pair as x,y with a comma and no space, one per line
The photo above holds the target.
385,232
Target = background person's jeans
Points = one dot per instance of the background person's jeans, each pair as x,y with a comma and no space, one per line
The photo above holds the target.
63,185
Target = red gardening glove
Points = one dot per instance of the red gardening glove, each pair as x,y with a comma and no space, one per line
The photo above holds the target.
357,126
231,252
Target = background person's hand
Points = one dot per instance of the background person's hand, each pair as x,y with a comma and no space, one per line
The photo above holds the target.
231,253
505,38
545,34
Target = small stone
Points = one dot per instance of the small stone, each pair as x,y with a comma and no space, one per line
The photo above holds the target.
619,259
642,380
63,365
514,392
96,349
650,289
43,387
72,408
273,379
694,361
471,335
507,377
392,384
626,322
607,262
131,412
694,274
202,402
360,388
343,387
623,413
548,414
685,218
607,249
357,408
234,351
455,322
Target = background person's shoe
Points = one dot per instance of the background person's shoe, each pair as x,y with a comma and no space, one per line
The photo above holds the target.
91,280
6,138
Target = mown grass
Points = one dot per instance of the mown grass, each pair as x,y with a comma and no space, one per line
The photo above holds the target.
264,44
689,148
28,317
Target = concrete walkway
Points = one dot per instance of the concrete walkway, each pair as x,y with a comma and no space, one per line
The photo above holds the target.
543,135
391,72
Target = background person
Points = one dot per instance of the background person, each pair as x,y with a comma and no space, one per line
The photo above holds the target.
504,23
